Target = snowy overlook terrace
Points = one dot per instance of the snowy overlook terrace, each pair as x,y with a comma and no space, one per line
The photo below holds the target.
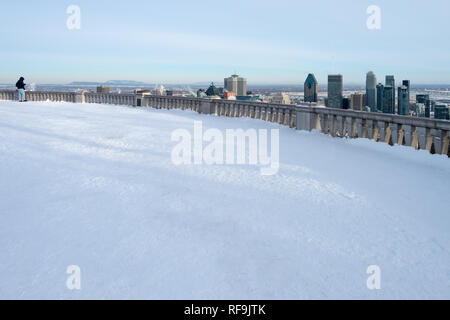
92,185
420,133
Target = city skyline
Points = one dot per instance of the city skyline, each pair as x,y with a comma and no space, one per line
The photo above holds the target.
117,41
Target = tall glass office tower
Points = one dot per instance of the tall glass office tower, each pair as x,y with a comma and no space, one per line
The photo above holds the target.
335,91
403,102
390,81
311,90
388,100
380,96
371,91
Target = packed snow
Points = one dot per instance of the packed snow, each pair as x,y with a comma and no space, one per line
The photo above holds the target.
94,186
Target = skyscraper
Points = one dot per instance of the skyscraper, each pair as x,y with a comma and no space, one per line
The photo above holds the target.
236,84
311,90
388,100
335,89
390,81
407,84
371,91
380,96
425,100
403,102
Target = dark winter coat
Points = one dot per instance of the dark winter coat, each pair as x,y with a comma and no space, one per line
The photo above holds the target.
20,84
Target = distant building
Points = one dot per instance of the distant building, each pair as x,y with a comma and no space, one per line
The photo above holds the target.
346,103
249,98
388,100
441,111
390,81
169,93
419,109
212,90
403,102
357,101
407,84
201,93
228,94
380,95
158,90
371,91
103,89
236,84
142,91
311,91
425,100
432,105
335,89
281,98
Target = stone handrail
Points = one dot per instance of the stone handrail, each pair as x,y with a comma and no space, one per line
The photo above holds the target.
109,98
40,96
420,133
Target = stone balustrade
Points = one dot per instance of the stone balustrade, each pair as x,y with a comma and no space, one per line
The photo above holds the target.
419,133
282,114
109,98
41,96
168,102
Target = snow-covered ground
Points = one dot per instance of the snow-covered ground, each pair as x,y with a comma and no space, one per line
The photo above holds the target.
94,186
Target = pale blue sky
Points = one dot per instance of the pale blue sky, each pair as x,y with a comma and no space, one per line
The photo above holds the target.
197,41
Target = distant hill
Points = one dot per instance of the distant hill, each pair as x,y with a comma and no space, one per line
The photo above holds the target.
83,83
109,83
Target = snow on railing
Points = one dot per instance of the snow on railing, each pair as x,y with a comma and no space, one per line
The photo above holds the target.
420,133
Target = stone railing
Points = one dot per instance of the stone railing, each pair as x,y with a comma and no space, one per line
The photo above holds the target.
109,98
282,114
42,96
419,133
168,102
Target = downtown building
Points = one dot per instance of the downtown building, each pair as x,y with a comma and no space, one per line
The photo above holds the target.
407,84
442,112
388,100
311,89
403,100
236,84
380,97
390,81
371,91
280,98
357,101
425,100
335,91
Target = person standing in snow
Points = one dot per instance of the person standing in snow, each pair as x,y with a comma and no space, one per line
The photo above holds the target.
20,85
